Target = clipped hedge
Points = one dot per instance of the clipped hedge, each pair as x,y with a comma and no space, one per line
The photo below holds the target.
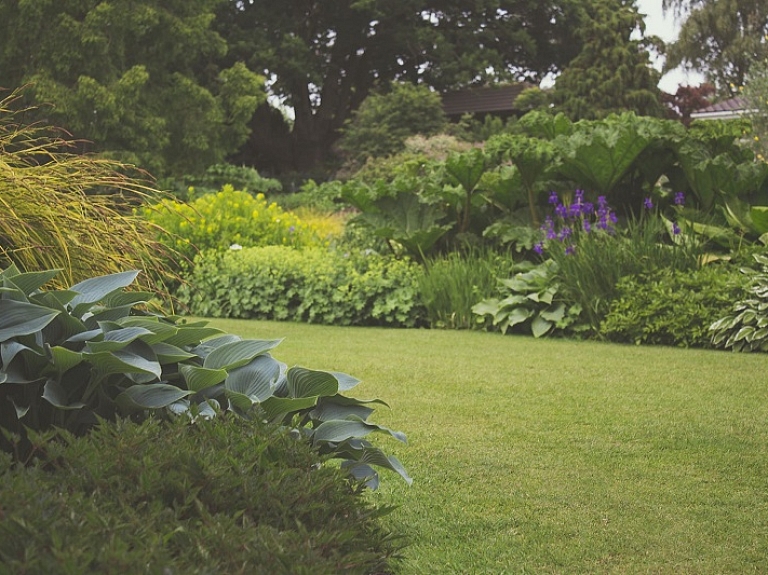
669,307
309,285
162,498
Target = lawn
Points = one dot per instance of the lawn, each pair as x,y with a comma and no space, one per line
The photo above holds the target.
554,456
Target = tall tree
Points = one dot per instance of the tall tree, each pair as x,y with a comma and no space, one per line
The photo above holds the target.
720,38
323,58
613,72
141,79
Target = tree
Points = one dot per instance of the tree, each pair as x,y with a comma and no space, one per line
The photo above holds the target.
686,100
382,123
612,73
720,38
756,95
142,80
324,58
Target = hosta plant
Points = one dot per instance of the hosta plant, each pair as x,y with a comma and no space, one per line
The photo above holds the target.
71,357
746,327
530,301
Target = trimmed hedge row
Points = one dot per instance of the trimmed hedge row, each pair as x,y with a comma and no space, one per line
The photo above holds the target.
222,496
309,285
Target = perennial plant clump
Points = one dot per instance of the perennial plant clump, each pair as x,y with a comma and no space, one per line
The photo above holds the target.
230,217
593,249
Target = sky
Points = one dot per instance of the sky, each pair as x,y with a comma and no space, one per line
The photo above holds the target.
665,27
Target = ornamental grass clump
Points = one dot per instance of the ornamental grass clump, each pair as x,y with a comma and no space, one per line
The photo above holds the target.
594,250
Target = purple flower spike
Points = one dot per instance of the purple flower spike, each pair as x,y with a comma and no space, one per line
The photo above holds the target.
679,199
675,229
570,250
587,226
601,202
561,211
648,204
553,198
588,208
539,248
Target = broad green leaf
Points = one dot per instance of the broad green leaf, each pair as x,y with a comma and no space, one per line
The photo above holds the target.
467,168
154,396
328,409
137,357
31,281
375,456
540,326
278,407
19,318
158,330
94,290
10,349
518,315
336,431
200,378
54,394
303,382
759,216
187,335
167,353
346,381
555,314
64,359
116,339
238,353
486,307
254,380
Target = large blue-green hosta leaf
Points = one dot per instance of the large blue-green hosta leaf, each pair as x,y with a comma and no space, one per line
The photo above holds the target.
31,281
277,407
94,290
303,382
54,394
200,378
336,431
20,318
254,381
152,396
116,339
136,358
360,466
238,353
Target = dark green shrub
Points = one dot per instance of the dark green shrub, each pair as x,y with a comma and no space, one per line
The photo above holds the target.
672,307
310,285
72,356
216,177
744,327
223,496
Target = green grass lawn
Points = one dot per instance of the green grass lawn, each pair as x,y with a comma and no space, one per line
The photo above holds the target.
552,456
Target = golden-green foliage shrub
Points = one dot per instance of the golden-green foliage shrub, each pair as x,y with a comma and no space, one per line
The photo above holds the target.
60,209
230,217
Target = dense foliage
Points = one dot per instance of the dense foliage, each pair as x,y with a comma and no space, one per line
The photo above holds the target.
143,81
672,307
73,356
313,285
229,217
225,496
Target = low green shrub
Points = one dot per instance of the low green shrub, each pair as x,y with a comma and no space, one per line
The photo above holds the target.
229,217
744,327
671,307
70,357
223,496
532,301
216,177
310,285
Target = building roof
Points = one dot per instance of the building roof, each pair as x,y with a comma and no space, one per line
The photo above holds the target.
725,110
487,99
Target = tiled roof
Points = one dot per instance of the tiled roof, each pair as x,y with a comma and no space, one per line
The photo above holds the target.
732,105
486,99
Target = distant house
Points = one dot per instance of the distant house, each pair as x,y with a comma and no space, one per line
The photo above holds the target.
726,110
494,100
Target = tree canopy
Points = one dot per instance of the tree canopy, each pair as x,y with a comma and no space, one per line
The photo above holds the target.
323,58
720,38
142,80
612,73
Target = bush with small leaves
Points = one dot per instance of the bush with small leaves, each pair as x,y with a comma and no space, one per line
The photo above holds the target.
220,496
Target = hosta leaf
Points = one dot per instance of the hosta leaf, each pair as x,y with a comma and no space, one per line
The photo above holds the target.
375,456
94,290
116,339
136,358
254,380
346,381
540,326
191,335
486,307
278,407
555,313
518,315
167,353
64,359
156,330
303,382
330,409
199,378
238,353
54,394
337,431
20,318
153,396
31,281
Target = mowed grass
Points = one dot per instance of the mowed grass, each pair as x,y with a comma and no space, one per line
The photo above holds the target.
553,456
